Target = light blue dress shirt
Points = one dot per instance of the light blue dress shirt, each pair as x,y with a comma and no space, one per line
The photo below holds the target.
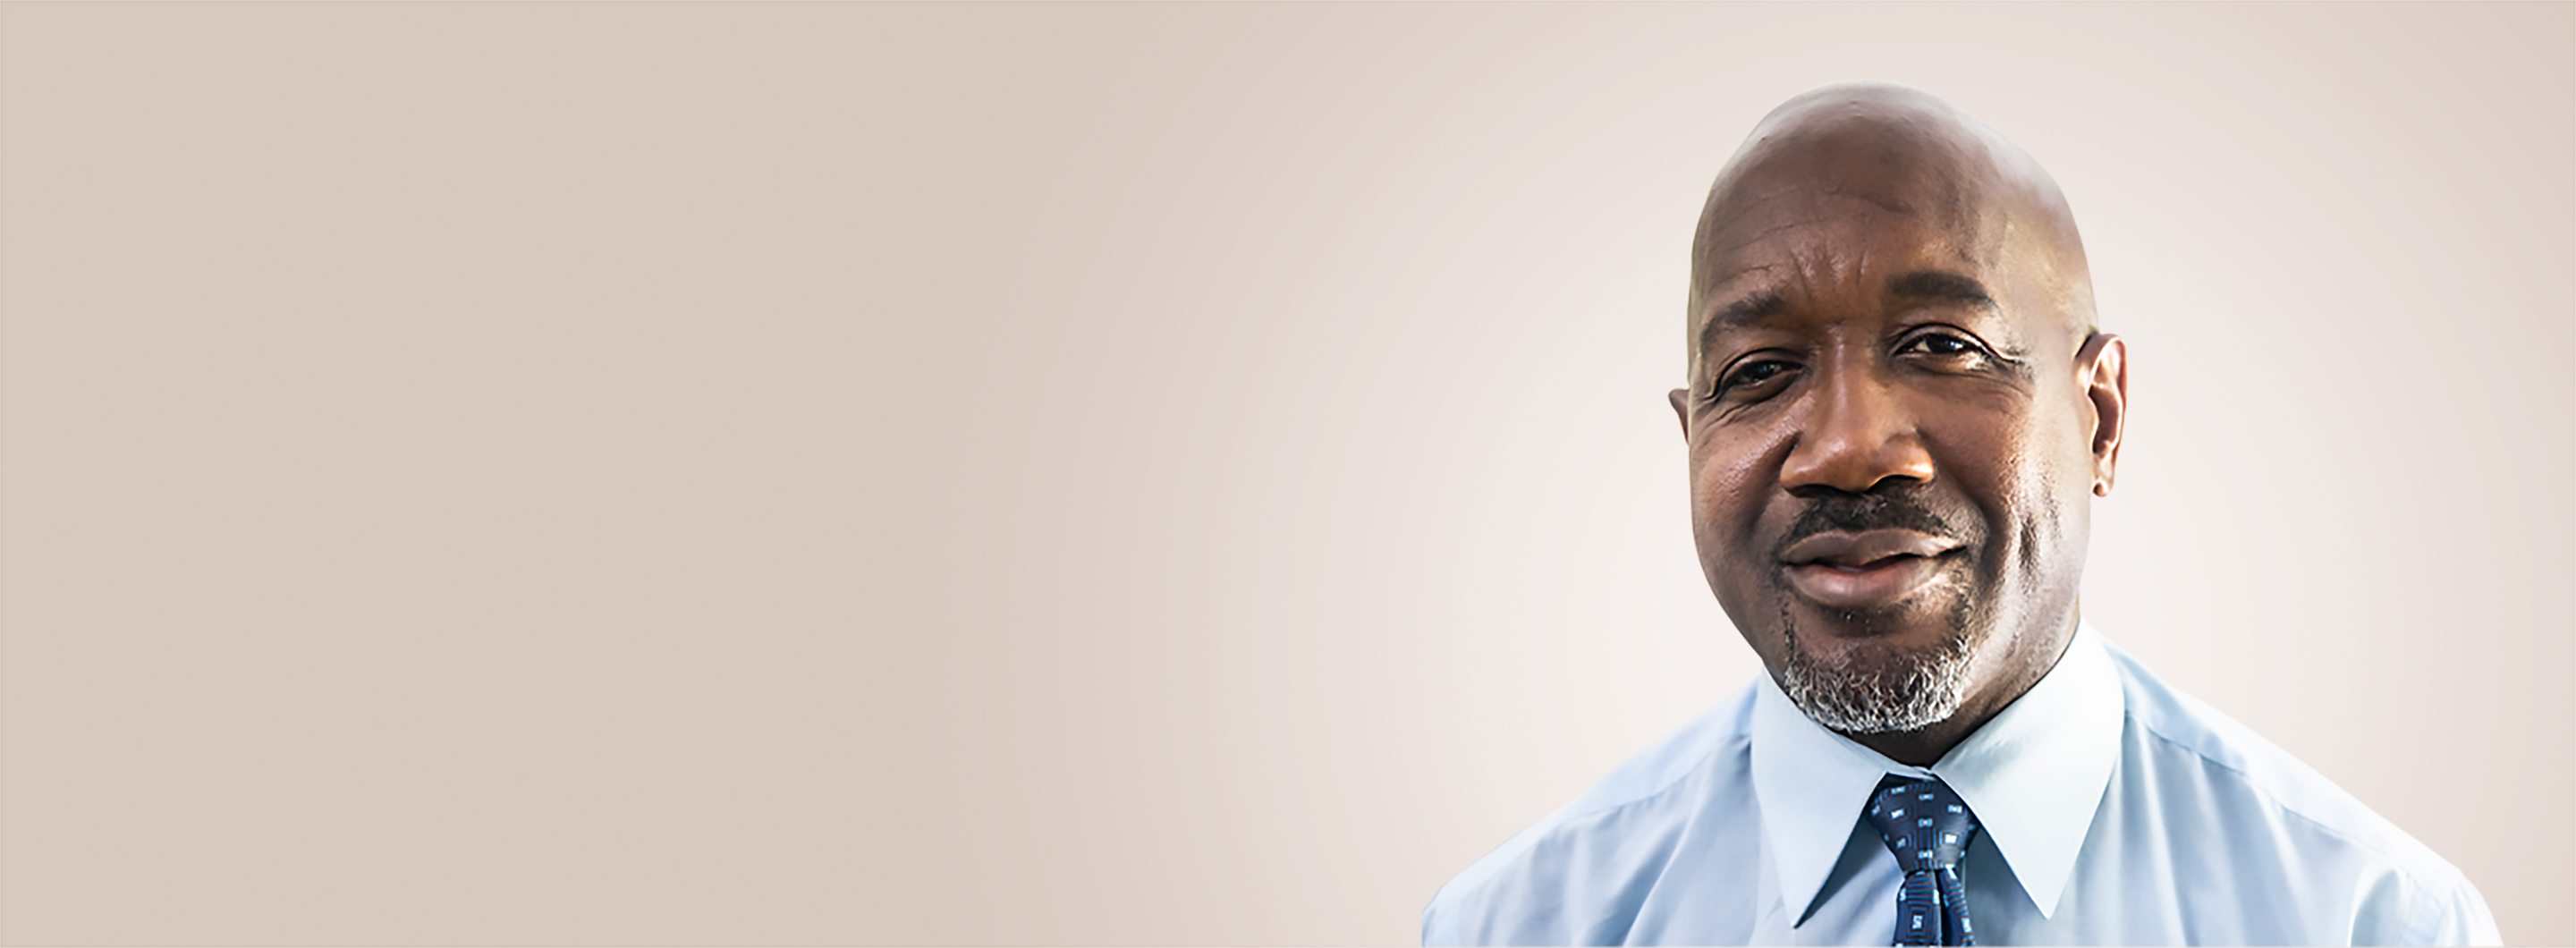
2115,811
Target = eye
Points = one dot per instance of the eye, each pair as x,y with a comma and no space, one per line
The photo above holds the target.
1945,347
1753,377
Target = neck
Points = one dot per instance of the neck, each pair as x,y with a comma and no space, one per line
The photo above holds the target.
1925,747
2019,670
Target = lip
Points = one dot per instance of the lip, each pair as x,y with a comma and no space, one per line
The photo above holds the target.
1864,569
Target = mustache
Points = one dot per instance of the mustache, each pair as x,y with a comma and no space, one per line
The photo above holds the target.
1853,513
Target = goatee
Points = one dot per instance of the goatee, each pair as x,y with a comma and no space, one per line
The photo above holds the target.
1886,690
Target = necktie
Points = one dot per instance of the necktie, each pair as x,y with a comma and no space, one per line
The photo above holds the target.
1928,829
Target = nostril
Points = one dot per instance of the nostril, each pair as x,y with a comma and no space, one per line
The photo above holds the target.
1819,491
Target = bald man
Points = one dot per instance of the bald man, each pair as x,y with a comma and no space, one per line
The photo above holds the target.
1899,411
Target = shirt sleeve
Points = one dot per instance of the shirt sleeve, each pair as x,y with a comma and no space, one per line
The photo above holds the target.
2451,912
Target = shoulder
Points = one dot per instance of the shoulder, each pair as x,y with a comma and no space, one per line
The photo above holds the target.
2277,813
1578,875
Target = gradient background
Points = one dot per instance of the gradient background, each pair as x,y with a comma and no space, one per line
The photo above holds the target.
786,473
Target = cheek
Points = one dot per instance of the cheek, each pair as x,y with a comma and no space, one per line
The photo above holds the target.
2027,473
1733,480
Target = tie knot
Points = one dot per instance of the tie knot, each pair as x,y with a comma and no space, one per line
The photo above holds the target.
1923,823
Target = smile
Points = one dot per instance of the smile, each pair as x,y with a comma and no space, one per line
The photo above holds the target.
1867,569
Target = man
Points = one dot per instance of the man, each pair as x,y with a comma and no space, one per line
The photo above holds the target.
1899,411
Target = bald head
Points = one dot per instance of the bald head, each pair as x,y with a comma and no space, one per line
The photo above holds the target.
1875,154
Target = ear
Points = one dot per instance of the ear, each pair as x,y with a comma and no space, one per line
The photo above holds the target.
2103,368
1681,409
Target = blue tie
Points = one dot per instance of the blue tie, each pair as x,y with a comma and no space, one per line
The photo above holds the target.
1928,828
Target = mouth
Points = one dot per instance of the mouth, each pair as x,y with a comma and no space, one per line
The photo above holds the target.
1864,569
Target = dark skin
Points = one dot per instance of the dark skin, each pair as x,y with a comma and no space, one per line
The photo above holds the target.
1898,411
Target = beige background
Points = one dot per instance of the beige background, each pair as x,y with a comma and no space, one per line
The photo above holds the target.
963,474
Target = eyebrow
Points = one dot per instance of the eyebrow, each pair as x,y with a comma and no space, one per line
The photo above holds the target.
1742,312
1939,285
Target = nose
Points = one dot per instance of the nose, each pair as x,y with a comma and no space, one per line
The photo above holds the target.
1855,433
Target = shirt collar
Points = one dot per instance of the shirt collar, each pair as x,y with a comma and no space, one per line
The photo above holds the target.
2033,775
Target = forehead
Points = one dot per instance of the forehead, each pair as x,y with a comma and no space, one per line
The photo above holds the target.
1825,201
1827,228
1815,258
1818,241
1834,186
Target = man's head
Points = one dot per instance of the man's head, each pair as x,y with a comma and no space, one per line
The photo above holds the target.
1898,410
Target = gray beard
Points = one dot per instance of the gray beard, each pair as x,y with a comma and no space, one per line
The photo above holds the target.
1909,692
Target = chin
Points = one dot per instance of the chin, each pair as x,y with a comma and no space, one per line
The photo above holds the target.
1902,667
1912,624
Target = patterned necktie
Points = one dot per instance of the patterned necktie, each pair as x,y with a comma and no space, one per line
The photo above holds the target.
1928,829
